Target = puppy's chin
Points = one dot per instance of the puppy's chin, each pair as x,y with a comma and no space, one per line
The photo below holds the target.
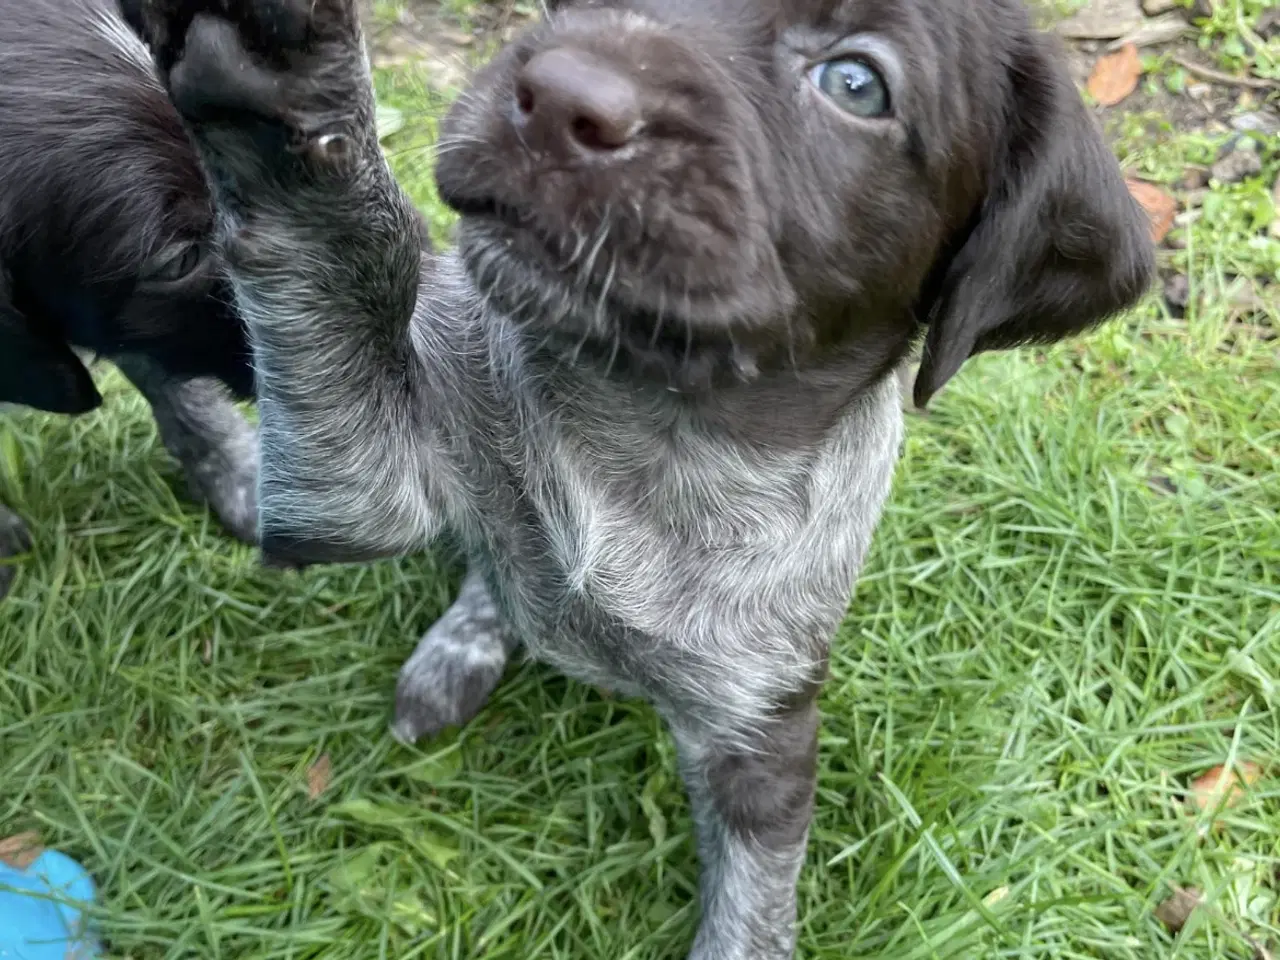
627,327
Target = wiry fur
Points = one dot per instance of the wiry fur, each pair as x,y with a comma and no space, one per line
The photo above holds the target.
98,186
652,393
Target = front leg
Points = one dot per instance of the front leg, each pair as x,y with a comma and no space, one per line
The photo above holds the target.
324,253
455,667
202,429
752,794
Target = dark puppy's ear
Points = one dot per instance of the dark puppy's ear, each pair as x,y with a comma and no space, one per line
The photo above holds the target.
41,373
1058,244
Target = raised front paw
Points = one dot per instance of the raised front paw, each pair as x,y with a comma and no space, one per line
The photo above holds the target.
290,74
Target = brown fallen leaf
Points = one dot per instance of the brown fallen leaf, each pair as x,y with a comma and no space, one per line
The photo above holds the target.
21,850
1223,786
1176,911
1115,75
1161,207
318,776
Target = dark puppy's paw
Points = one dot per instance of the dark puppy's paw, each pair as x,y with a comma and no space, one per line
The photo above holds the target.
292,64
15,540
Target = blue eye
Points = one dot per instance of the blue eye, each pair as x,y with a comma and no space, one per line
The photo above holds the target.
853,85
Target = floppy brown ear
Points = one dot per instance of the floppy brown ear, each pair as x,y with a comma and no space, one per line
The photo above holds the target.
1058,244
42,373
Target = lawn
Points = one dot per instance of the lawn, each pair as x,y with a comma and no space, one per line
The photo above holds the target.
1071,612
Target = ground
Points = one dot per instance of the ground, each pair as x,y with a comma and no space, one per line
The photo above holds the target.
1070,619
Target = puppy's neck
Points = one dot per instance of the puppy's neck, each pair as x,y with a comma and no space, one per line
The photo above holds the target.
787,410
791,409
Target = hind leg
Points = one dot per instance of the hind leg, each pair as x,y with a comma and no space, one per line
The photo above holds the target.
201,427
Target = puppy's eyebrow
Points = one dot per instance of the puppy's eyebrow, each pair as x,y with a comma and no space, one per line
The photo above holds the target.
848,16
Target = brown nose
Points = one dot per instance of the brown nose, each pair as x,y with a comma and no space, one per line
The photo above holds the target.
568,99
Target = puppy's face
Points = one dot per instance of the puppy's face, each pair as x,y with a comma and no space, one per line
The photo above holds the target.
179,311
711,190
164,297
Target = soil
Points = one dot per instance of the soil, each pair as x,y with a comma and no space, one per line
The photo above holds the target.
425,33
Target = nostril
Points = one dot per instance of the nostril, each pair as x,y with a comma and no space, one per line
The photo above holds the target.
525,99
593,136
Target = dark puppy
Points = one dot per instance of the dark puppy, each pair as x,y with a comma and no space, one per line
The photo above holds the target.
104,226
653,391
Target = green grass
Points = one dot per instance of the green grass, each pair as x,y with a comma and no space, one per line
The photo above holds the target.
1071,610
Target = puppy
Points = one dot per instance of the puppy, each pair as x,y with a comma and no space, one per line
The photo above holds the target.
104,226
653,390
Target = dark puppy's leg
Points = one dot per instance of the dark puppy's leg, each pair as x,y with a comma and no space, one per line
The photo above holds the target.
455,666
15,540
203,430
752,798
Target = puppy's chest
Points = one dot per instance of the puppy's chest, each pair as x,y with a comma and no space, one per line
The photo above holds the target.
677,533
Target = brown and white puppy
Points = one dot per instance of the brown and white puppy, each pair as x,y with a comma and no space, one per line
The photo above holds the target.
104,227
652,391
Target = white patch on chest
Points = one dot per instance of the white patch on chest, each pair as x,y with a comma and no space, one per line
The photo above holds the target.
725,542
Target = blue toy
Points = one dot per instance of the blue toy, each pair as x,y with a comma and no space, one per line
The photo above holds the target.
33,927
